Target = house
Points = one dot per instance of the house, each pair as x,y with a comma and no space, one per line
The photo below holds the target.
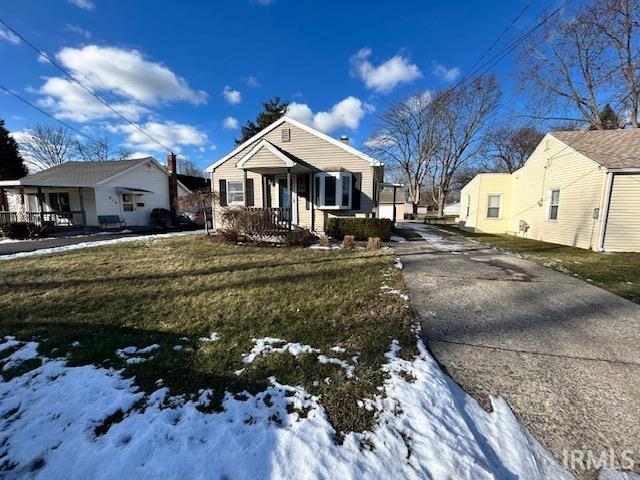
452,210
577,188
297,176
76,194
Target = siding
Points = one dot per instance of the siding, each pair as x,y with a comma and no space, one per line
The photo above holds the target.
316,152
88,198
478,190
623,225
581,183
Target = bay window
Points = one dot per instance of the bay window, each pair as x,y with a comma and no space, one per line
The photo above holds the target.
333,190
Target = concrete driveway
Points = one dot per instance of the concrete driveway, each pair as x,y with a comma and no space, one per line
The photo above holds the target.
563,353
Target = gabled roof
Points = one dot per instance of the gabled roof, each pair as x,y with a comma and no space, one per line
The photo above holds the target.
610,148
302,126
286,160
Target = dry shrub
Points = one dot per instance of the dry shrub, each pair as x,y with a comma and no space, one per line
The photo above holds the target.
229,235
324,241
348,242
374,243
301,237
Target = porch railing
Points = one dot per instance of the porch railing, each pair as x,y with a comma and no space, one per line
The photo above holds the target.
45,219
267,221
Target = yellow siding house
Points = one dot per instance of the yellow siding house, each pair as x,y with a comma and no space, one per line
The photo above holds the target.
577,188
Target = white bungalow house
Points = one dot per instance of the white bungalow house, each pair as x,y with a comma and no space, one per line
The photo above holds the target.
81,194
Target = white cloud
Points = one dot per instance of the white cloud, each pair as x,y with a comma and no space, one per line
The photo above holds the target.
213,147
386,76
43,59
83,4
344,114
252,82
230,123
9,36
447,74
231,96
77,29
264,3
171,134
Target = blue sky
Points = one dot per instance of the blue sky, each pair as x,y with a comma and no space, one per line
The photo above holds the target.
189,72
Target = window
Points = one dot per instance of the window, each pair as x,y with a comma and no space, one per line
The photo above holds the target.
493,206
235,193
333,190
554,201
127,202
468,204
286,134
59,202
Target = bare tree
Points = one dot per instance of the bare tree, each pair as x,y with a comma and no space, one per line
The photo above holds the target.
618,21
187,166
509,147
463,115
406,137
99,150
44,146
567,67
198,201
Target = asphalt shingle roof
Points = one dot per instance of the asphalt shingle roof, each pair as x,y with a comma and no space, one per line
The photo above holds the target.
609,148
79,174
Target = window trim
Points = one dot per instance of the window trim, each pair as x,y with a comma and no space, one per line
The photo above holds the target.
550,205
241,182
486,213
468,205
340,178
58,197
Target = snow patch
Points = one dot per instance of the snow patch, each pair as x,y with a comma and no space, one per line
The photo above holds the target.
398,264
267,345
214,337
350,370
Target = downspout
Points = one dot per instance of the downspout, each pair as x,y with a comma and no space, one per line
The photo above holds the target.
605,211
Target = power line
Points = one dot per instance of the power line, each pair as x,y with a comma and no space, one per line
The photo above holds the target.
79,83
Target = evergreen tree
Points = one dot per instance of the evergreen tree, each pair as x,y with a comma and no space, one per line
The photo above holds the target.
11,163
273,110
609,119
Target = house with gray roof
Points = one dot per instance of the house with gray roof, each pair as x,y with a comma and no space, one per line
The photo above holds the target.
80,194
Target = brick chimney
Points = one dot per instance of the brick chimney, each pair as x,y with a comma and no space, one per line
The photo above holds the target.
173,183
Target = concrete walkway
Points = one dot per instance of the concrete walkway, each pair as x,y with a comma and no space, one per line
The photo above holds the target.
563,353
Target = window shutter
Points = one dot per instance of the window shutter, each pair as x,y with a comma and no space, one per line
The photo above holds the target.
248,189
355,191
223,193
303,181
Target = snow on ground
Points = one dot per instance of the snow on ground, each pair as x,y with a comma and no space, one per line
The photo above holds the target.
398,239
265,346
214,337
52,425
437,241
98,243
398,264
317,246
132,354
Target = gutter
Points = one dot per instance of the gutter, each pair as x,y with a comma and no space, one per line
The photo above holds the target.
605,211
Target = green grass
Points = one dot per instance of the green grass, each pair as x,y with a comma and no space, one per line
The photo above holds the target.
616,272
160,291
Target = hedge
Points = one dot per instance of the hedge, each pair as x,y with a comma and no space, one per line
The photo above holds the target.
360,228
21,230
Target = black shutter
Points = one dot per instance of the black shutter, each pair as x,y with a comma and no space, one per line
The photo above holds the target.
223,193
355,191
303,182
248,188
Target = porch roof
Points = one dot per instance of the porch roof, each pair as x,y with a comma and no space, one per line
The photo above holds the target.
267,157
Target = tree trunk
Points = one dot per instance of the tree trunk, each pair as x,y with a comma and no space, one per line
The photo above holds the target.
441,199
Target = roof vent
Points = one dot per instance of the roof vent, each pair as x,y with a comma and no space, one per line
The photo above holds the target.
344,139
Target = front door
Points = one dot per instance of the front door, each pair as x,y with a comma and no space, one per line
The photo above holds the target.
129,212
283,198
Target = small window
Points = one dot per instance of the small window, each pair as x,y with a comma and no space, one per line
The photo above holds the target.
468,204
329,190
493,206
286,134
554,201
235,193
59,202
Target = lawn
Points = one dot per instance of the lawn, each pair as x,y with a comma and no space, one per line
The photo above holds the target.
616,272
205,305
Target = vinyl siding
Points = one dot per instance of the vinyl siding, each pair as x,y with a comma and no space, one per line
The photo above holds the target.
264,159
479,189
88,199
581,183
314,151
622,233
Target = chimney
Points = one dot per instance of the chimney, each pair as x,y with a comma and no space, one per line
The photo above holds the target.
173,183
344,139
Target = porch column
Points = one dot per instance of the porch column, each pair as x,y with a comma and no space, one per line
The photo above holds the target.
312,199
290,196
244,186
40,206
3,206
84,216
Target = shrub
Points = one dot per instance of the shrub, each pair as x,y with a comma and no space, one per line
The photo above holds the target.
361,228
160,217
324,241
21,230
229,235
301,237
348,242
374,243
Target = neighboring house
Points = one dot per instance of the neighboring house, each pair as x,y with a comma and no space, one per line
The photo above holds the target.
452,210
75,194
577,188
289,163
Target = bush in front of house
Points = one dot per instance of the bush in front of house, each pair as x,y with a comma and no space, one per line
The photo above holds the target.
21,230
360,228
160,217
301,237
